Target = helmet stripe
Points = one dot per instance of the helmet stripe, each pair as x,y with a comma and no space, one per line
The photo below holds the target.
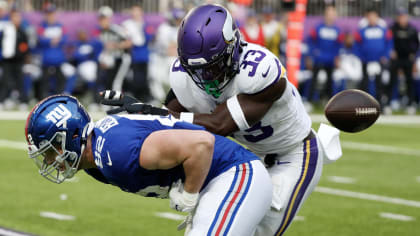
28,120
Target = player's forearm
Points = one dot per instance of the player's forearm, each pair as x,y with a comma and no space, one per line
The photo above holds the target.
219,122
197,165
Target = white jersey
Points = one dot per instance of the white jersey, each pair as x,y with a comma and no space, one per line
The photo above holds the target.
281,129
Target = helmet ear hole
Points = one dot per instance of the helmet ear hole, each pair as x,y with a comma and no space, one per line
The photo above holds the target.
75,134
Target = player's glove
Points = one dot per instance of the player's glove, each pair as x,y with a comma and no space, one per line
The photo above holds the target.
127,103
181,200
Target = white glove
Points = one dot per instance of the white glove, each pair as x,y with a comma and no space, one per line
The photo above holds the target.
181,200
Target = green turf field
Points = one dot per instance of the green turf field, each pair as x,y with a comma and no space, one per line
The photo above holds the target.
105,210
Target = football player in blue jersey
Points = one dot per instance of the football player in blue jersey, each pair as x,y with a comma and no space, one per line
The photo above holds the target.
225,185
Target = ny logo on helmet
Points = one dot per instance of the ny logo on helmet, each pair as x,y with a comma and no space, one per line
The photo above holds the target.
59,115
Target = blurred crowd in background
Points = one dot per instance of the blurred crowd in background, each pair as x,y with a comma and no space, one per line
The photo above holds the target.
133,52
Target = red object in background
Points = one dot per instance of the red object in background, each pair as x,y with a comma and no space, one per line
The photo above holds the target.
243,2
294,40
258,40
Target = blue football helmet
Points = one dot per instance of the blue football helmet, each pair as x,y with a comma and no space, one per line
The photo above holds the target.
56,131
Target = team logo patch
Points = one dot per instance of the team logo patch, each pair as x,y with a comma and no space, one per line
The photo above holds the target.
59,115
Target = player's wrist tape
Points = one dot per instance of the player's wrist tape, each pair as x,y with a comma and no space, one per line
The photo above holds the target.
187,117
112,95
237,114
190,198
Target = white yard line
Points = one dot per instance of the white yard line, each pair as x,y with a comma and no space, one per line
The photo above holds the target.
13,144
8,232
299,218
75,179
56,216
23,115
341,179
394,119
380,148
393,216
368,196
170,215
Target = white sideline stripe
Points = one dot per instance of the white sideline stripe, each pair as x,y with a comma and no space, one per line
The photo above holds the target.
393,216
341,179
368,196
380,148
418,179
5,232
56,216
170,215
394,119
13,144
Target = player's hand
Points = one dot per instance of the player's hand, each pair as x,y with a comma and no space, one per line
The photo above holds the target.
128,104
181,200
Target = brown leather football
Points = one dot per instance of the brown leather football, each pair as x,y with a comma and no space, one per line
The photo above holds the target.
352,110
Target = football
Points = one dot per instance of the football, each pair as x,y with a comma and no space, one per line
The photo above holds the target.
352,110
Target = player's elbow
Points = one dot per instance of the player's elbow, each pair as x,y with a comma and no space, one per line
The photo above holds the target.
205,142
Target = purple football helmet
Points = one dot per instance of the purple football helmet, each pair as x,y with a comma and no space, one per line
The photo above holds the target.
209,47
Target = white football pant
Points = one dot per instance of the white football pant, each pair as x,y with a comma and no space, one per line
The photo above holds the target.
294,177
234,202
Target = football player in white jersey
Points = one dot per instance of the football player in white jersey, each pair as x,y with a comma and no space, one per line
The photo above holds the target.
240,89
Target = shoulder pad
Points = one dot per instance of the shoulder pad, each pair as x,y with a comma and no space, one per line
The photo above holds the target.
178,77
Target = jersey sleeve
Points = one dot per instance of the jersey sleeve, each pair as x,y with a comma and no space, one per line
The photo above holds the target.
178,80
268,72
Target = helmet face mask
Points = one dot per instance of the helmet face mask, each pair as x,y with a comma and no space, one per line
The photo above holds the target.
214,75
209,47
55,163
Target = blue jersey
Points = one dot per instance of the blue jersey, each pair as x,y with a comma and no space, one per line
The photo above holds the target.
373,43
325,42
52,55
116,146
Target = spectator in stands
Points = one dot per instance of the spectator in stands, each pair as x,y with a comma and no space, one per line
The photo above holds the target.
15,49
252,31
3,21
164,53
349,69
325,42
85,58
364,22
52,39
137,32
406,44
272,31
373,46
114,59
